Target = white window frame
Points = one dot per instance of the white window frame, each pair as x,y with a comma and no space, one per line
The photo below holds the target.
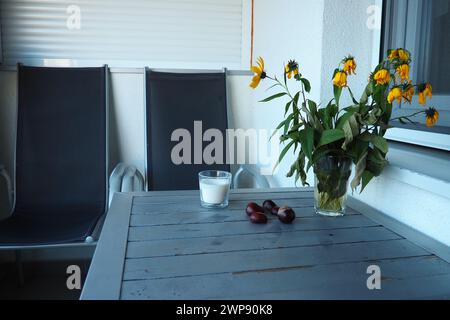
398,30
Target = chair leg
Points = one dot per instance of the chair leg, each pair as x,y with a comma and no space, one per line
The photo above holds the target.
19,267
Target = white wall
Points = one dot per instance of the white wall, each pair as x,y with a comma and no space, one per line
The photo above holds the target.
346,32
286,30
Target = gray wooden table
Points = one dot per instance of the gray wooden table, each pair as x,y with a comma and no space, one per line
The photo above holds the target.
163,245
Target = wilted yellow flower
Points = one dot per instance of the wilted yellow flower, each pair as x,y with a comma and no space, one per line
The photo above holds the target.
393,55
403,72
395,93
350,66
425,90
259,73
291,69
432,117
403,54
382,77
340,79
408,92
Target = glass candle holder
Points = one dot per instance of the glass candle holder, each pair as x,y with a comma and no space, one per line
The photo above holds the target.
214,188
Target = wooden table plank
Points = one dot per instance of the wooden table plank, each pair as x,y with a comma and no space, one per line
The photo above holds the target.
243,261
235,194
407,278
210,216
172,204
175,247
187,231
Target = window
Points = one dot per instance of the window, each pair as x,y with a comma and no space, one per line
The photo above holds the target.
158,33
423,27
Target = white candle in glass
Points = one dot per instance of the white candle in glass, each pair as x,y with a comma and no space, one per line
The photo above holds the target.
214,191
214,188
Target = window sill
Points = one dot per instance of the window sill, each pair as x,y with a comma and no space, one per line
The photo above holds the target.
421,138
421,167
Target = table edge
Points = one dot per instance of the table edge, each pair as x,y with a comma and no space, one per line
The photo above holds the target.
104,279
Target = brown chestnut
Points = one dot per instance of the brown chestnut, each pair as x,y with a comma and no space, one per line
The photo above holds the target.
269,205
258,218
274,211
252,208
286,215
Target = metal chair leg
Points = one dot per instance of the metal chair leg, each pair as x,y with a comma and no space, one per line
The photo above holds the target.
19,267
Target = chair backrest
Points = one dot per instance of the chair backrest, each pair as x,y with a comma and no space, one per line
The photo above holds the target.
176,101
61,147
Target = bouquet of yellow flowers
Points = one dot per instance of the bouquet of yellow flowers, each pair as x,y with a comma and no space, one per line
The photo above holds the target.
331,138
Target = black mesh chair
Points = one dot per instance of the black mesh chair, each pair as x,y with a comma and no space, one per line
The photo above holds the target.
61,157
176,101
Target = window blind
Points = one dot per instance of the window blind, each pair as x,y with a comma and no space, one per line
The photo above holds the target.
157,33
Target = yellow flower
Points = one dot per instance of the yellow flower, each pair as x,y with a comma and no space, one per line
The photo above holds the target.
291,68
403,54
340,79
403,72
259,73
350,66
425,90
393,55
395,93
432,116
382,77
408,92
400,54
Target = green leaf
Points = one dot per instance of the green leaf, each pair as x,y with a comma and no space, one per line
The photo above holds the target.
275,96
287,123
286,109
367,176
307,84
379,142
376,162
352,96
351,130
357,149
306,137
283,153
337,93
312,106
295,100
344,118
273,86
367,93
330,136
359,170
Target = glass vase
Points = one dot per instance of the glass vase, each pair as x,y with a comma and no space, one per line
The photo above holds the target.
332,175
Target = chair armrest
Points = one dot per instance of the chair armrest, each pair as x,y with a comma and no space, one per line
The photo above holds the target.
259,179
125,178
115,180
132,180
